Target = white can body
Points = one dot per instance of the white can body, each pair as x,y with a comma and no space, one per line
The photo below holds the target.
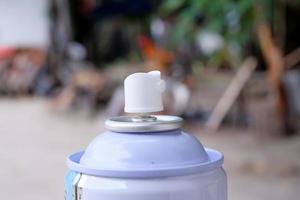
210,185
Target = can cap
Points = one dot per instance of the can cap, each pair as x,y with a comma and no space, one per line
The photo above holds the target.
145,155
143,92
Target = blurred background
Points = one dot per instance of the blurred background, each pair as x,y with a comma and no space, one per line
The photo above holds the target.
231,70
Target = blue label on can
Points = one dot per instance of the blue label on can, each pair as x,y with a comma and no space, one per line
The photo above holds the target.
71,179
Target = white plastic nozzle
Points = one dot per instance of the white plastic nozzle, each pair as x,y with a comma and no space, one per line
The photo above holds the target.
143,92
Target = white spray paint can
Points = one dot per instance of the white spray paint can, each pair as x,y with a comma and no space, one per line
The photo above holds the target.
145,157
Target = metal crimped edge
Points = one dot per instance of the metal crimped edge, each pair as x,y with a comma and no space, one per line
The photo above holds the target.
129,124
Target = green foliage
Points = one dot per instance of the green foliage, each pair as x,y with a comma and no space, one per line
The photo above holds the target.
183,27
234,19
170,6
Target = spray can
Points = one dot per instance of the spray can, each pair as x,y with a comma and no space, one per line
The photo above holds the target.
145,156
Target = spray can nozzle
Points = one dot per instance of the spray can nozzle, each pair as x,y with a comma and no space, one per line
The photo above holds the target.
143,93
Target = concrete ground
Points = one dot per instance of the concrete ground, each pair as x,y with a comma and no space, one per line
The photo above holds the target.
35,143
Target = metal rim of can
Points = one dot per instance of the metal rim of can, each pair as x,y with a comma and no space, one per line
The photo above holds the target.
143,123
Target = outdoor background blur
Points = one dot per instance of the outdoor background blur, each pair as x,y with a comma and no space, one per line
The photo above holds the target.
231,70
